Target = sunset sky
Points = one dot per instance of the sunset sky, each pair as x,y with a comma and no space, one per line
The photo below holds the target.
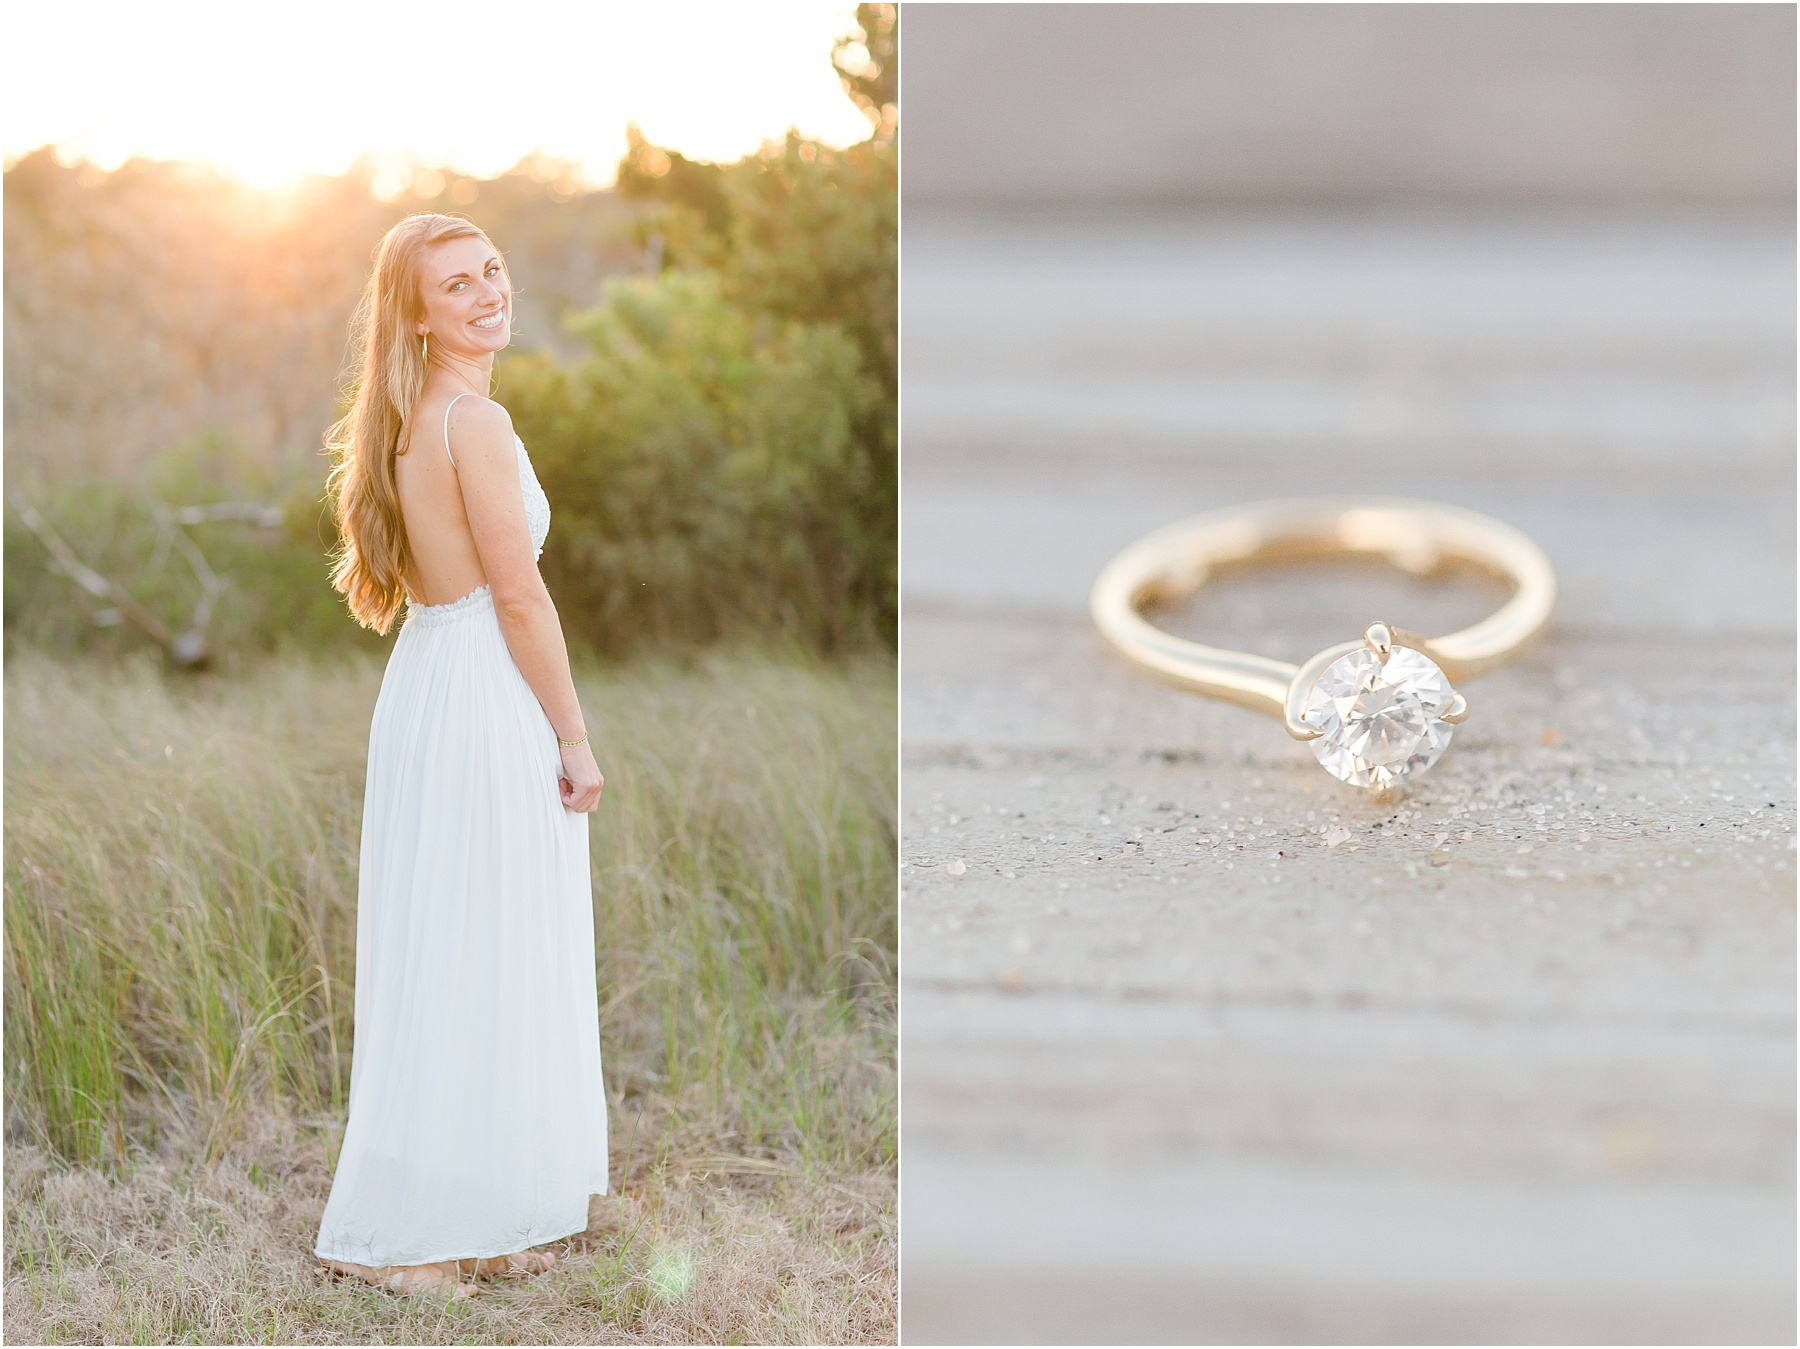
273,91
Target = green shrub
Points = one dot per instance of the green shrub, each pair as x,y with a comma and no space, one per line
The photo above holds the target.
703,472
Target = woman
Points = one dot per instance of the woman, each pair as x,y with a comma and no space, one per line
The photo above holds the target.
477,1121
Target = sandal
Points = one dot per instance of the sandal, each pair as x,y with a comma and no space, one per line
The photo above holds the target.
518,1263
413,1280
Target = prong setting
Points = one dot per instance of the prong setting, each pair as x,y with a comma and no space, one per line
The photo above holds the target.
1379,638
1458,711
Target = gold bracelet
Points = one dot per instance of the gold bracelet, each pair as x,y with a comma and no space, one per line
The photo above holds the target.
570,744
1374,709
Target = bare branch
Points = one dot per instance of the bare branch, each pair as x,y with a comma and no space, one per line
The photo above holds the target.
269,517
87,578
189,648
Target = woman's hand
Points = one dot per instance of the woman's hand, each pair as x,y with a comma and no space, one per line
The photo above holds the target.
581,782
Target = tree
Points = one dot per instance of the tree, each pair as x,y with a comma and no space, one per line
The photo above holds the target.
868,63
650,173
797,247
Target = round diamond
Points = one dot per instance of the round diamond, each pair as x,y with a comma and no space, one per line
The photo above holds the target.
1379,722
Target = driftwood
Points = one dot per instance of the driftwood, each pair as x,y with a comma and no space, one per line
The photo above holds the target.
190,648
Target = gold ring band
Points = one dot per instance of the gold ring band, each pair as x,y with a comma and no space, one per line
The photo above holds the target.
1369,707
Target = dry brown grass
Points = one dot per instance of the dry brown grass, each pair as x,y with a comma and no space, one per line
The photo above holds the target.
169,1252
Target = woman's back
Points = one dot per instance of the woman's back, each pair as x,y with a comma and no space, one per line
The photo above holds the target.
445,562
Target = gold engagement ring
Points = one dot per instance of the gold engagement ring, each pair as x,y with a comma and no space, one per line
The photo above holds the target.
1376,709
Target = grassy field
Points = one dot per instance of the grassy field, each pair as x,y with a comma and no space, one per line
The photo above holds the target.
180,923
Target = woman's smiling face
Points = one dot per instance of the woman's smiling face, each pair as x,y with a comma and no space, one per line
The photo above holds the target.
466,297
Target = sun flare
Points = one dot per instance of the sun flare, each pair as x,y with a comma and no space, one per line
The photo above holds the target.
270,95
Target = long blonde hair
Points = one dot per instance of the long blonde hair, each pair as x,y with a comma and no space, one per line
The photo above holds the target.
371,559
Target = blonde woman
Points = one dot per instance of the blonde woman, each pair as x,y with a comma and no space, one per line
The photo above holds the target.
477,1125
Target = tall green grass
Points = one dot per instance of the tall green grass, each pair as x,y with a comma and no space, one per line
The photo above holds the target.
180,888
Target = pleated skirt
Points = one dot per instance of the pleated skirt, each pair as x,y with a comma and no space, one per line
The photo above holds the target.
477,1119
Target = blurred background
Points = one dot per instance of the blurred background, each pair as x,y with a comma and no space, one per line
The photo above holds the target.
698,208
1200,1046
705,324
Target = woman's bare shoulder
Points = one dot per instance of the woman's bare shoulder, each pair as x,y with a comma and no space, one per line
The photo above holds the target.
479,425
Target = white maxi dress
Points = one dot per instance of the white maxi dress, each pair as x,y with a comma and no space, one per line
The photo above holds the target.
477,1111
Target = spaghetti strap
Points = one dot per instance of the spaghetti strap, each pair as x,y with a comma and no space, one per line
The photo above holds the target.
447,407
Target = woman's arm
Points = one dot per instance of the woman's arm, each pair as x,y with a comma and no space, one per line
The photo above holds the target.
487,467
